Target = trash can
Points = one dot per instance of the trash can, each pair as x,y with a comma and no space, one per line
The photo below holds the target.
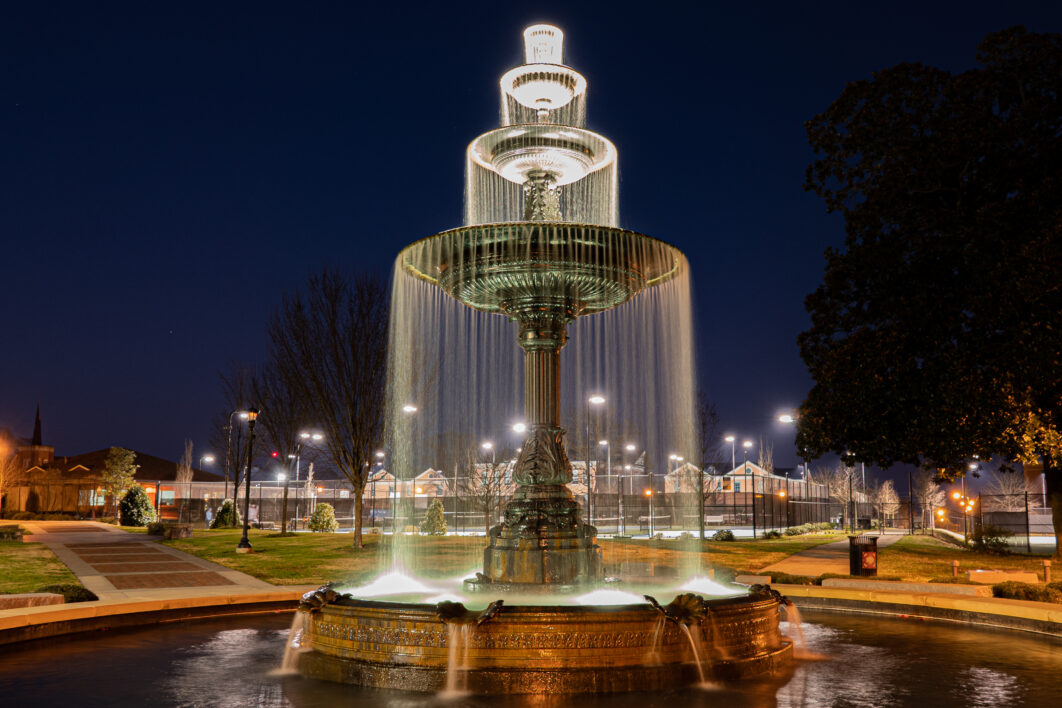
863,555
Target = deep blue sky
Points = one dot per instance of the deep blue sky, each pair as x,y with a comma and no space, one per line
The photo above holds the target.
168,170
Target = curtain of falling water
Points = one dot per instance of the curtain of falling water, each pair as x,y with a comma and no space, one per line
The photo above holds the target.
491,199
463,370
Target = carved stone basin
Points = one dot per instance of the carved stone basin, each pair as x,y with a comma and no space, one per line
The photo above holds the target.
545,649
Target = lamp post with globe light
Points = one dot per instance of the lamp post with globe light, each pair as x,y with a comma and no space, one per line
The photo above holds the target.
244,546
733,458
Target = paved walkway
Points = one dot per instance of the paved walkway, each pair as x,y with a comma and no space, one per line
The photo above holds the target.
827,558
118,565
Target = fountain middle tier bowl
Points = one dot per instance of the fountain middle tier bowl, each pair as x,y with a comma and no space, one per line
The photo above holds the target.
516,266
543,649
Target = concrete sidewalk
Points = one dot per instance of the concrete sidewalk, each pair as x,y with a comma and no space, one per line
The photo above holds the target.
118,565
827,558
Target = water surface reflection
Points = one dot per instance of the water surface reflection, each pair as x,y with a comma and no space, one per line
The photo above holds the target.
226,663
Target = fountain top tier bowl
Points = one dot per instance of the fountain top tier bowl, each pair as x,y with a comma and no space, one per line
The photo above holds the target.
510,267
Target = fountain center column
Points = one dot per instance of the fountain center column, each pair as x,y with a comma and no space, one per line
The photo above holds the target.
541,542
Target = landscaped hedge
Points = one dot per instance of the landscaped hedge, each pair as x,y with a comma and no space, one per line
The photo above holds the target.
809,528
1013,590
32,516
70,591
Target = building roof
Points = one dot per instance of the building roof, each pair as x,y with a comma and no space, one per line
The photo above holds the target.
90,464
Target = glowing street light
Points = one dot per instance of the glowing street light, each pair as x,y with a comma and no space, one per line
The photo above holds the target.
520,428
733,458
595,399
244,546
409,408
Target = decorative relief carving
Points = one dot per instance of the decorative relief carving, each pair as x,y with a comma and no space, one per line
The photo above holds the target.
483,640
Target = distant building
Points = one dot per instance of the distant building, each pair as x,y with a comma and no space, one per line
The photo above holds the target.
44,483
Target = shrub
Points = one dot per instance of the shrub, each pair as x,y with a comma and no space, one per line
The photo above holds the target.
23,516
773,533
323,519
136,507
70,591
1014,590
991,539
723,535
228,516
11,532
434,520
156,528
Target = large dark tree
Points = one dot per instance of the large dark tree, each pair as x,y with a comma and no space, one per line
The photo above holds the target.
937,333
329,353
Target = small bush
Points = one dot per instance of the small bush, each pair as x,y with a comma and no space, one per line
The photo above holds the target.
136,507
23,516
1014,590
787,579
773,533
156,528
991,539
323,519
434,521
72,592
723,535
228,516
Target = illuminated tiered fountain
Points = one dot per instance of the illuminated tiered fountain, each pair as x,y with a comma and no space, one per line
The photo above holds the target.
541,247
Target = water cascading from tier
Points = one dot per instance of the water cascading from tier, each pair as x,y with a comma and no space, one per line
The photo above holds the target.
541,248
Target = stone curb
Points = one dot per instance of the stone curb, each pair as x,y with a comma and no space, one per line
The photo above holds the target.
1038,617
22,624
900,586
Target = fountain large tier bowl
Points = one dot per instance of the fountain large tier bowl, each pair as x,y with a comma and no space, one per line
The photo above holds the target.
544,649
509,267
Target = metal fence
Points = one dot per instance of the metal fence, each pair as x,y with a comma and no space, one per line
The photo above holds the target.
633,512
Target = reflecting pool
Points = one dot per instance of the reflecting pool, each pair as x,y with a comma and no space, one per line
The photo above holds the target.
857,661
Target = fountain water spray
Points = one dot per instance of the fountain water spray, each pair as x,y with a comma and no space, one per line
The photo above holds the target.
540,257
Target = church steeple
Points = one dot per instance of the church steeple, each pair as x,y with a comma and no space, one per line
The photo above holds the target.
37,427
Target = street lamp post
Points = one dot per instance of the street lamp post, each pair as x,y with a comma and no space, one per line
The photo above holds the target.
649,493
594,400
745,477
244,546
622,518
209,459
228,456
608,465
488,489
733,458
283,479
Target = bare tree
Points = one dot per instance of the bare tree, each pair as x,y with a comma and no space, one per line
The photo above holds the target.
1005,492
884,498
328,345
11,473
927,490
840,482
236,387
483,486
765,455
183,479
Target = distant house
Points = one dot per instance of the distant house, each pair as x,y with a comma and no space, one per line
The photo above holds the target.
45,483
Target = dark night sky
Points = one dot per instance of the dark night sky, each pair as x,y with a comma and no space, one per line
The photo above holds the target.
167,170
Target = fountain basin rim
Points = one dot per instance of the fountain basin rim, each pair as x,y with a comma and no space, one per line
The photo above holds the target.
412,271
714,602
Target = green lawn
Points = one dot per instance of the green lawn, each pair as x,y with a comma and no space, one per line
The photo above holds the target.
24,567
920,558
308,559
